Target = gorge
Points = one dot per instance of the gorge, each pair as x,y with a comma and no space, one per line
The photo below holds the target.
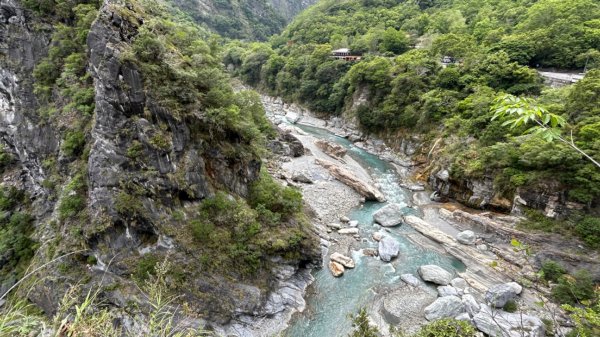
208,167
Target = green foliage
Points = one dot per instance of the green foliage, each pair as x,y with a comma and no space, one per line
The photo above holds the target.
74,199
447,327
6,159
361,326
202,230
586,318
135,150
273,197
238,233
523,111
16,226
71,205
510,306
589,230
16,247
248,20
394,41
146,267
494,45
73,143
10,197
552,271
574,289
129,205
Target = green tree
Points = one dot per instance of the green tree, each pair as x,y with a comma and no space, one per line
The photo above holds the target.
394,41
523,111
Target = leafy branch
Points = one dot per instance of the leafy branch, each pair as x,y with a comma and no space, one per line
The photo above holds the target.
520,111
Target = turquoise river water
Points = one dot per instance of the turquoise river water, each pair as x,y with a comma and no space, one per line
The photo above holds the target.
330,300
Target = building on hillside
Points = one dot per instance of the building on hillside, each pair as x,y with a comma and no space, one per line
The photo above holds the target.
344,54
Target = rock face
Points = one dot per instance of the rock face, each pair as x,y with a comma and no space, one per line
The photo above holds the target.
286,144
142,163
332,149
363,188
389,215
448,306
388,248
435,274
344,260
500,294
500,323
466,237
336,268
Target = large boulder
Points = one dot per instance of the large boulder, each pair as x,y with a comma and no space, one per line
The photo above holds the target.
388,248
405,305
336,268
302,177
332,149
499,294
334,225
466,237
292,117
471,304
444,291
361,187
286,144
448,306
389,215
351,230
344,260
410,279
377,236
435,274
459,283
499,323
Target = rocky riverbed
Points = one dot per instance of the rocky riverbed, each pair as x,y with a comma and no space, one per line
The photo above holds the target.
491,263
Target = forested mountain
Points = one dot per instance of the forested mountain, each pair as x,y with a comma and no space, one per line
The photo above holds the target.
243,19
401,88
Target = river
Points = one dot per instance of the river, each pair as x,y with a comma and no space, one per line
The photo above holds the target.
330,300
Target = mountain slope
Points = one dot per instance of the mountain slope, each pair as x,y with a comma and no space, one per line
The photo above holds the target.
426,83
243,19
124,146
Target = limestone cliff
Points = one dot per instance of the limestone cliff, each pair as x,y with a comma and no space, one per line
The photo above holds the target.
124,186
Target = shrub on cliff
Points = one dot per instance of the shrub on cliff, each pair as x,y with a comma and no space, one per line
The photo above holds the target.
573,289
552,271
274,197
589,230
447,327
